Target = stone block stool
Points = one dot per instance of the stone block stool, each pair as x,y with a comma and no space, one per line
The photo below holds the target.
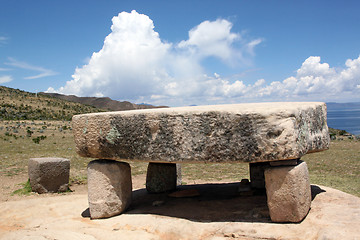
161,177
272,137
109,187
49,174
288,192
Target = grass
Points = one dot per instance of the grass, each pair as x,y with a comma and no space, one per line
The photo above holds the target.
20,105
339,167
25,190
17,148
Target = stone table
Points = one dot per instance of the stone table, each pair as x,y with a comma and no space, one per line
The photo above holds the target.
271,137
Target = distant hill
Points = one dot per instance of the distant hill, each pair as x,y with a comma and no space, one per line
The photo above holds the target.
103,102
21,105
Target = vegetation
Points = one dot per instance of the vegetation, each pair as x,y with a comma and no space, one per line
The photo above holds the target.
25,190
338,167
20,105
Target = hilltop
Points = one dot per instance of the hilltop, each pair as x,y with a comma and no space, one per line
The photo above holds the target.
102,102
16,104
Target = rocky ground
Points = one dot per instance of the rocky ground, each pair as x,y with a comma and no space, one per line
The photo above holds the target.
217,212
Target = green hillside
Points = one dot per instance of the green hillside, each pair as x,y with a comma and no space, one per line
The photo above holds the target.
20,105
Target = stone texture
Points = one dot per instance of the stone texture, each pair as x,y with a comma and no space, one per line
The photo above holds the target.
109,188
222,133
49,174
288,192
161,177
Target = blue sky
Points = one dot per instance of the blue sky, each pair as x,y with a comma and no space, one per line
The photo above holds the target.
184,52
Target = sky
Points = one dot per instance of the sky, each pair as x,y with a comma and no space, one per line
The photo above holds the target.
180,53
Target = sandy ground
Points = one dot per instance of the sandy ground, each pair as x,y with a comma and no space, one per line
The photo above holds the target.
217,213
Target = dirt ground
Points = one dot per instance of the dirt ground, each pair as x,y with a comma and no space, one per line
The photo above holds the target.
217,212
9,184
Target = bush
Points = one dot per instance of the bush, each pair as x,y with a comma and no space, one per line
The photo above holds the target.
342,132
29,133
37,139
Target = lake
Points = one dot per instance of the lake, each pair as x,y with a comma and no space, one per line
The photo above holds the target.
344,116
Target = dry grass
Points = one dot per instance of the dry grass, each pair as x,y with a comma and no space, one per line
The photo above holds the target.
338,167
20,105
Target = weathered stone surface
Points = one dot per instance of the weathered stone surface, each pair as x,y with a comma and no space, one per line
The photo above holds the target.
288,192
49,174
109,188
161,177
222,133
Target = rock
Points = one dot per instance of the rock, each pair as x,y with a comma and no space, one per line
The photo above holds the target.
49,174
244,186
256,132
185,193
158,203
288,192
161,177
109,188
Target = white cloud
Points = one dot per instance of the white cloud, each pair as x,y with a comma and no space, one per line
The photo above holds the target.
211,39
5,79
317,81
43,72
134,64
131,63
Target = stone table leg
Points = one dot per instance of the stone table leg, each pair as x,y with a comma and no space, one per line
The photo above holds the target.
109,187
288,192
178,174
257,178
161,177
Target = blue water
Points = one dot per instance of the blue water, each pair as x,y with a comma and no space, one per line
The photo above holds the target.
344,118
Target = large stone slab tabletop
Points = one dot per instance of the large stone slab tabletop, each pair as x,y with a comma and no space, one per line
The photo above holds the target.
254,132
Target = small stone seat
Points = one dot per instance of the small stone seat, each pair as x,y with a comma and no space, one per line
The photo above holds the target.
257,133
49,174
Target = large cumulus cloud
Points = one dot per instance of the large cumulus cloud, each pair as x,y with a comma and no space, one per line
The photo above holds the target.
135,64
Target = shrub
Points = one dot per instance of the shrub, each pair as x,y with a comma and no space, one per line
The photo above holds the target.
29,133
37,139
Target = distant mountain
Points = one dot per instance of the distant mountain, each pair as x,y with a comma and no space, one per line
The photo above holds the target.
102,102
